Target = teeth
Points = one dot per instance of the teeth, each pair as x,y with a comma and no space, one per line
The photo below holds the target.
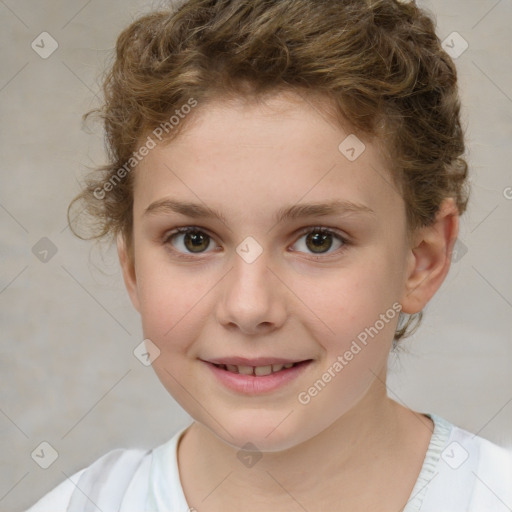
263,370
259,371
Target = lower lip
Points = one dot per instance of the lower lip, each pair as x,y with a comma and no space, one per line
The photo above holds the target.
255,385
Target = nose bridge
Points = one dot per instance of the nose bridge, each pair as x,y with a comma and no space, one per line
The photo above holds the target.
251,298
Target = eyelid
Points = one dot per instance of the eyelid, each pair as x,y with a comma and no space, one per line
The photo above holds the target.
184,230
324,229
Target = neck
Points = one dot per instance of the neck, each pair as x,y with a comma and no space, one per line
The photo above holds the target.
350,463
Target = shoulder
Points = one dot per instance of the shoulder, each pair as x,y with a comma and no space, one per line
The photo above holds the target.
468,473
491,474
479,456
57,499
104,481
122,480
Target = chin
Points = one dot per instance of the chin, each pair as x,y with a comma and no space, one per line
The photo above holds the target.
267,432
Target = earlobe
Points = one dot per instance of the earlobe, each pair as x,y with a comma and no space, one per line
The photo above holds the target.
128,269
430,258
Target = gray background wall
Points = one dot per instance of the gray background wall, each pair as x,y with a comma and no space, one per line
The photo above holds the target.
67,372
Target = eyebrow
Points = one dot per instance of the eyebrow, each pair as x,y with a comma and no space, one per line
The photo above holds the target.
296,211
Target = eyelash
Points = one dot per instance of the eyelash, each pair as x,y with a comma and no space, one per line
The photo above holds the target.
310,229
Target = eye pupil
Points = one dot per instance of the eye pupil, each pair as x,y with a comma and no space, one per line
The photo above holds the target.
318,240
198,241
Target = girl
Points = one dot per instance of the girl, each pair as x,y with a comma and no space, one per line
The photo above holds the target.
285,185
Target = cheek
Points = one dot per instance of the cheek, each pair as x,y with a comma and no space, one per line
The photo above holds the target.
359,306
348,300
171,309
169,303
361,312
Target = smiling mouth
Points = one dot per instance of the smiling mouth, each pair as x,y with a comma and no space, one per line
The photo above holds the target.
259,371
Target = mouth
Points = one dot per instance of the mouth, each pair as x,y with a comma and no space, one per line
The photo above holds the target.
259,371
256,376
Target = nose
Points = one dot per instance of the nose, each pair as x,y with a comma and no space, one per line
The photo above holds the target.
252,298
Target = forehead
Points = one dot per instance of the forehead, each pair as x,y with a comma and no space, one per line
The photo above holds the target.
244,157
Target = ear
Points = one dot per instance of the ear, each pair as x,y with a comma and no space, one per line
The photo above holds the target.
430,258
128,268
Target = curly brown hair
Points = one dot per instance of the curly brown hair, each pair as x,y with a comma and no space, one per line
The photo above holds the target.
378,62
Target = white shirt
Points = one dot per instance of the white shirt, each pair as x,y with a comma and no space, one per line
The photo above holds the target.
461,472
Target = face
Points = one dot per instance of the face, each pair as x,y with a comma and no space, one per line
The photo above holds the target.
293,253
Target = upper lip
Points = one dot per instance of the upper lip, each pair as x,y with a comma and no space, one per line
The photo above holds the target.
258,361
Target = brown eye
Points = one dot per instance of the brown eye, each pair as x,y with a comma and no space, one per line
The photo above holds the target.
189,240
196,241
320,241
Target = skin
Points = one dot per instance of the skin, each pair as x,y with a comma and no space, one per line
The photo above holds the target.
248,160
